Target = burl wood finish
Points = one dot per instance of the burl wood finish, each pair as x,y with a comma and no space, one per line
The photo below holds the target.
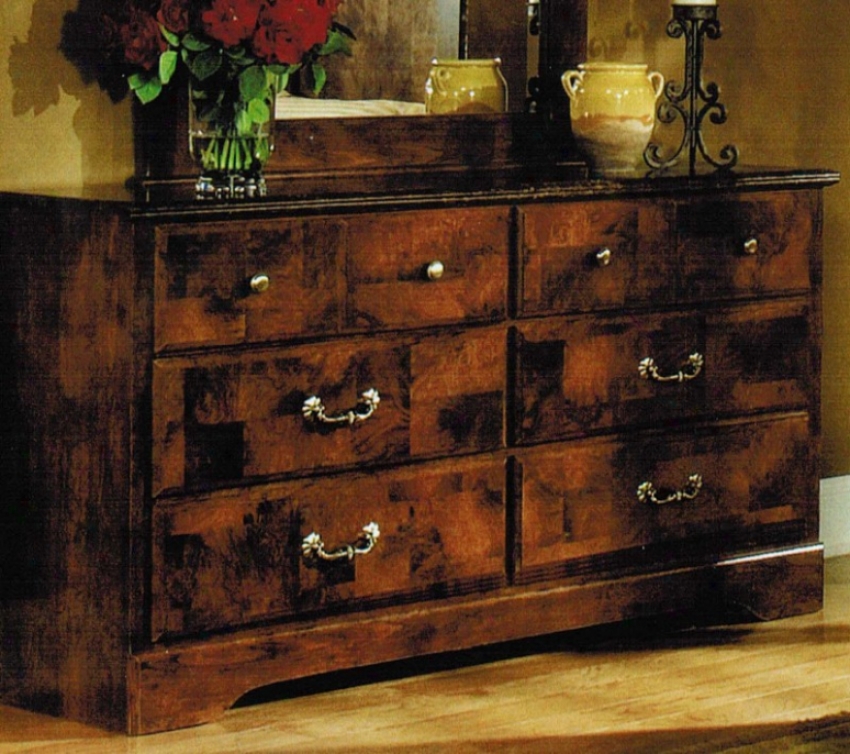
161,476
235,557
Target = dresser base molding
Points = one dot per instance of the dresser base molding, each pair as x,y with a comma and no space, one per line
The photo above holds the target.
194,683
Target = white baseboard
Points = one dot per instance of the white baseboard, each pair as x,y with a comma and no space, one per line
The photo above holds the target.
835,515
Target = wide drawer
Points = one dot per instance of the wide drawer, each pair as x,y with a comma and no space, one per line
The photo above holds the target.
222,418
615,503
231,283
579,375
242,556
595,255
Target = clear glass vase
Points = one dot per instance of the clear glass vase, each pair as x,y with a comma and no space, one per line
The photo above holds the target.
231,153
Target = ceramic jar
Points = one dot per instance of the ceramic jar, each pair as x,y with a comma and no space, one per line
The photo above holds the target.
466,86
612,109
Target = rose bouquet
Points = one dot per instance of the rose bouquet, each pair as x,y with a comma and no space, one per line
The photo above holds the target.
238,54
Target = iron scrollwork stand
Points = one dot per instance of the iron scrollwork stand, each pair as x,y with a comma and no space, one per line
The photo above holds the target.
693,100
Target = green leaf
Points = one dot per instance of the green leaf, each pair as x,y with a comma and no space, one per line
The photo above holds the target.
336,42
244,124
149,91
191,42
167,65
170,36
205,64
252,83
320,76
136,81
259,111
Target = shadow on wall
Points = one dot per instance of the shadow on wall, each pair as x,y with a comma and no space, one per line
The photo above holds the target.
40,74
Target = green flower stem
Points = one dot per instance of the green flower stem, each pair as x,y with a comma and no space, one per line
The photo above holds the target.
233,154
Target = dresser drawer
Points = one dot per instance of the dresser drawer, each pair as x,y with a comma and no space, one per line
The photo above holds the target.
747,245
595,255
219,419
579,375
239,556
596,498
232,283
415,269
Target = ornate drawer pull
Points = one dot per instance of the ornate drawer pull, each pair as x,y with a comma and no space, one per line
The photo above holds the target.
603,257
259,283
435,270
313,409
649,369
647,493
313,547
751,247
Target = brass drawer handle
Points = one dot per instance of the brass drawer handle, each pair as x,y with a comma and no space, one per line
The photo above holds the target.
313,547
259,283
647,493
314,410
435,270
751,247
649,369
603,257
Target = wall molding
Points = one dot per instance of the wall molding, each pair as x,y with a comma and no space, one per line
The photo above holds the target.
835,515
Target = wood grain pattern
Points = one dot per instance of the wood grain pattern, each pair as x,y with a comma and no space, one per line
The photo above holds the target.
235,557
223,419
581,375
581,499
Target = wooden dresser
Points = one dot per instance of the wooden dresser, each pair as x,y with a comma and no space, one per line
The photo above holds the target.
259,442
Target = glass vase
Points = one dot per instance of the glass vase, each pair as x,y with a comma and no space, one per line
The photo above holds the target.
231,152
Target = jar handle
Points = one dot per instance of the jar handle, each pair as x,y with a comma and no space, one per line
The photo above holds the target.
571,80
657,81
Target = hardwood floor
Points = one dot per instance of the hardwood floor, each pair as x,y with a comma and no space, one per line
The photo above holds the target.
648,687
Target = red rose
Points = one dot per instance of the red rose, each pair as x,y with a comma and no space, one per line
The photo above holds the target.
287,29
231,21
142,40
174,15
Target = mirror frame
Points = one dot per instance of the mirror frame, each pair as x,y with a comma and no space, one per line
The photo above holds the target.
349,156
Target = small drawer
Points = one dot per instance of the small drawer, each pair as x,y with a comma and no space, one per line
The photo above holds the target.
222,418
239,557
595,255
594,502
231,283
747,245
415,269
580,375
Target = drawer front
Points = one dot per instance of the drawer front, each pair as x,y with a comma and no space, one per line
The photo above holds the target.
234,283
204,275
747,245
238,557
220,419
583,375
595,255
581,502
414,269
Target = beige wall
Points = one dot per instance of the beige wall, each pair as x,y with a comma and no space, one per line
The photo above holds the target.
784,71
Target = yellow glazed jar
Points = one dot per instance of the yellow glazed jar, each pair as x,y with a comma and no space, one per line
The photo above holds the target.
612,110
466,86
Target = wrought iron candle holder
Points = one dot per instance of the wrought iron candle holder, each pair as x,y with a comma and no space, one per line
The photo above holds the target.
693,100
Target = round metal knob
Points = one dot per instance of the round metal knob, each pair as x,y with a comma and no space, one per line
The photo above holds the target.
751,246
260,283
603,257
435,270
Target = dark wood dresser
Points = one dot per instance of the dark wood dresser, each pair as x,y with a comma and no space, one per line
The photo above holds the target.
264,441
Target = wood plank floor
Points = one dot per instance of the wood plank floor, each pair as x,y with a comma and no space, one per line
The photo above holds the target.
645,687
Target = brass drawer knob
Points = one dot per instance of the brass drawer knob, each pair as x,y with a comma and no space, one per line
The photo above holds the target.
313,547
751,247
435,270
603,257
260,283
647,493
314,409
